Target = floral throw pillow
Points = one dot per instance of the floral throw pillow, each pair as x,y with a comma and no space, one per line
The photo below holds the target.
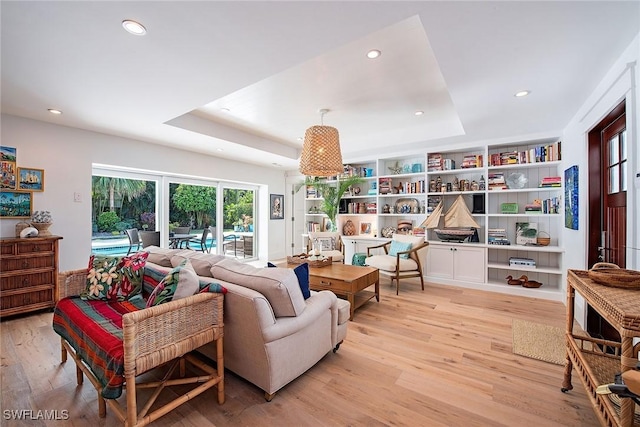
114,278
132,269
103,275
180,282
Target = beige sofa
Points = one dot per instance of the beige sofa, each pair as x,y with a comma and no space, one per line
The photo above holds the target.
272,334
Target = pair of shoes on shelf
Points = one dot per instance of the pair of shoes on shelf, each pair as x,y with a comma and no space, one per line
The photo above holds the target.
523,281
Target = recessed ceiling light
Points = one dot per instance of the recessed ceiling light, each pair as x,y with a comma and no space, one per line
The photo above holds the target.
373,54
299,138
219,149
522,93
276,164
134,27
225,109
419,113
54,111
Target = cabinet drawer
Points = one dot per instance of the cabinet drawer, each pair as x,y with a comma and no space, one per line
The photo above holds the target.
319,283
42,298
7,249
34,247
25,263
26,280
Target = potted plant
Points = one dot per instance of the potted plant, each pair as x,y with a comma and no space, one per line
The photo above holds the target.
331,194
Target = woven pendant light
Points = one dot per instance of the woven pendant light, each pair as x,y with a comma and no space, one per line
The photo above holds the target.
321,155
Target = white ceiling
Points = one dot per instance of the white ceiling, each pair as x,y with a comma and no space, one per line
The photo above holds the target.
275,64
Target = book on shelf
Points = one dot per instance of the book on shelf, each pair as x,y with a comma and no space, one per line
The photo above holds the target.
496,181
434,162
526,232
472,161
313,226
551,181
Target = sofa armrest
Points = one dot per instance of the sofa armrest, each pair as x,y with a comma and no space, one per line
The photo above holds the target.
382,245
158,334
71,283
315,306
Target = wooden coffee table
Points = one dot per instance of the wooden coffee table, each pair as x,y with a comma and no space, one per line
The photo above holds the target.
349,281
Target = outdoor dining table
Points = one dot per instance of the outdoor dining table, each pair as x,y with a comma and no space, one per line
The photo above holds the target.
176,240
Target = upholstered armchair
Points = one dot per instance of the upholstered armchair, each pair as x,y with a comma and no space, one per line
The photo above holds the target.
331,244
403,257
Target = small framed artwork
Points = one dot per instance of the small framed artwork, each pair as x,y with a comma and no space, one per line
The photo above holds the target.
365,228
7,154
7,175
327,225
276,206
16,204
30,179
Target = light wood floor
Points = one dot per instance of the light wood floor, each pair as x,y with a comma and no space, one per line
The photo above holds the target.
441,357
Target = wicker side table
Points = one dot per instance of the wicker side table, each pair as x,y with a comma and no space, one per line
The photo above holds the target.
621,308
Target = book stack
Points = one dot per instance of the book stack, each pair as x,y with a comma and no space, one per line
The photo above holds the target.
496,181
509,158
551,206
384,185
551,181
313,226
472,161
434,162
311,192
497,236
533,208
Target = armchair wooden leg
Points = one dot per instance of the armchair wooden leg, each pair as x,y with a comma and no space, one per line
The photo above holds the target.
63,351
79,376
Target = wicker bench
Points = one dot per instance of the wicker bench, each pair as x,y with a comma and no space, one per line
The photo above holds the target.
150,337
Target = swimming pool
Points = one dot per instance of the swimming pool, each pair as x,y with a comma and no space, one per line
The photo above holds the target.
119,248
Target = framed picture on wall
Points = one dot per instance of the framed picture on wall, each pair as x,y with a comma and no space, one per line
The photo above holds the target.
365,228
16,204
571,197
276,206
7,175
30,179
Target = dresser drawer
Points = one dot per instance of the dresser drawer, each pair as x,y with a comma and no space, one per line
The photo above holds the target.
34,247
320,283
20,302
10,283
8,264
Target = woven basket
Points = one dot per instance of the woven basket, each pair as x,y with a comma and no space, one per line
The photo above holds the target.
543,240
611,275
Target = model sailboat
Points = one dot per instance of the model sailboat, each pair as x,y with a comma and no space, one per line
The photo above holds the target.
458,222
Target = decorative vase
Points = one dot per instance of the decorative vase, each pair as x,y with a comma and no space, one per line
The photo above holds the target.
43,228
21,226
349,229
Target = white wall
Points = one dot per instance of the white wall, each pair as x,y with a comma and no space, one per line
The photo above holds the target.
67,154
621,82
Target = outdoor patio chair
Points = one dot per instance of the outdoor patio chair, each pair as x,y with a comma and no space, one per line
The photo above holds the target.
202,241
149,238
134,239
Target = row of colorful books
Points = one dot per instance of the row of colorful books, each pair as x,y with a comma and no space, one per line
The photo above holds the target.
551,181
542,153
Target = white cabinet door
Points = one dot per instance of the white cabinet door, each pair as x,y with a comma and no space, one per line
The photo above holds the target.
440,261
456,262
469,264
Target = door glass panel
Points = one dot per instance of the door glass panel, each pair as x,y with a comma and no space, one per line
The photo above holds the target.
192,208
118,204
613,151
614,183
238,229
623,145
623,176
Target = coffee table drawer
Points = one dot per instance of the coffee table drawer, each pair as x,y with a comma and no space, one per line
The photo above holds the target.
322,284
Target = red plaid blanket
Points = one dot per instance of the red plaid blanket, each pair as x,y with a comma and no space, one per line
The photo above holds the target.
94,330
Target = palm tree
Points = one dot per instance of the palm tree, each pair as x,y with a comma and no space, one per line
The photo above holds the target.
109,187
332,193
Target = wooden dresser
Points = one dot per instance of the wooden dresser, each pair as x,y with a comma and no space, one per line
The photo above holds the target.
28,274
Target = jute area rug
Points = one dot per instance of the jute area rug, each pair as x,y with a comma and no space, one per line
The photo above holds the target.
539,341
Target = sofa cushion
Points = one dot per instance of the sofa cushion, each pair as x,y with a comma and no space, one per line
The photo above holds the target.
114,278
160,256
201,262
302,273
180,282
279,285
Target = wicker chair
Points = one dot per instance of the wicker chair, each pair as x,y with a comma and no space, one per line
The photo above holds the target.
149,238
134,239
152,337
